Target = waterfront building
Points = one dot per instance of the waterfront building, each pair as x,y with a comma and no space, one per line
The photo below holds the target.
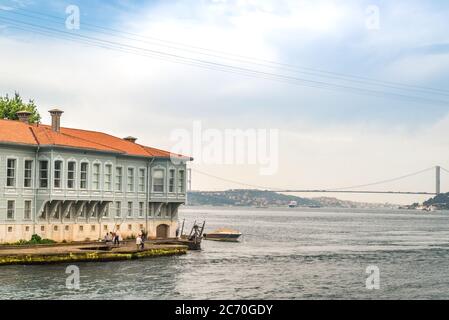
75,185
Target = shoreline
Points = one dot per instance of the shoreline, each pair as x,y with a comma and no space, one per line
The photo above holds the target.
94,252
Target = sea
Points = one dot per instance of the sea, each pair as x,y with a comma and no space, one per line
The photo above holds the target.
284,253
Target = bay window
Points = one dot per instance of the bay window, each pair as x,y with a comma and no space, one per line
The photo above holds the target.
158,180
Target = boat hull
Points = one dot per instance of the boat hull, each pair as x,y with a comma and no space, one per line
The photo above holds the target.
222,237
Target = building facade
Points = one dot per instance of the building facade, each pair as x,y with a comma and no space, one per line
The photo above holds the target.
77,185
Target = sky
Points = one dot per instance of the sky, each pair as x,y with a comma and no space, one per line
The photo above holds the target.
302,71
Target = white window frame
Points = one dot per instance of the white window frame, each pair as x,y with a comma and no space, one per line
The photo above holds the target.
118,179
141,185
25,209
86,180
133,179
61,169
141,209
170,180
74,180
47,178
153,185
10,215
96,176
130,209
110,175
181,182
25,161
118,209
14,171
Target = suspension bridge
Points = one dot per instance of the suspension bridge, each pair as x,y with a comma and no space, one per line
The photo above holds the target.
358,189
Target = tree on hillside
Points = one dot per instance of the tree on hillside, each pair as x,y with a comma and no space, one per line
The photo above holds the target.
10,106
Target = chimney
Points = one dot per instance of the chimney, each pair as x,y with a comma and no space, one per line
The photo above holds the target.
56,119
130,139
24,116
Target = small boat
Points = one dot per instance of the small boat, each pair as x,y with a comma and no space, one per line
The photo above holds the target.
223,235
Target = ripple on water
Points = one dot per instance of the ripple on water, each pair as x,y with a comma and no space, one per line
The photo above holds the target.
285,254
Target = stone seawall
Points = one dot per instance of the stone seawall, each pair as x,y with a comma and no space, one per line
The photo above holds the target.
84,253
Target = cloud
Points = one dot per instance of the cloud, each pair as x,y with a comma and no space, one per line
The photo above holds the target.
328,138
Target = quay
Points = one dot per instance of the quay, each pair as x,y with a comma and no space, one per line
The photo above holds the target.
85,252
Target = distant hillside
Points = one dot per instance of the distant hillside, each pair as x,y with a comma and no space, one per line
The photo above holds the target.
257,198
245,198
440,201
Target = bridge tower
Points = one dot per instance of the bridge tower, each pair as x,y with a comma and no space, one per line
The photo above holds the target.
438,179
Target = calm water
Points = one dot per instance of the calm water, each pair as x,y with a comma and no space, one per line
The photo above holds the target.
285,254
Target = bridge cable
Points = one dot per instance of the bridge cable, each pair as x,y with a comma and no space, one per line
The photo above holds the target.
326,190
384,181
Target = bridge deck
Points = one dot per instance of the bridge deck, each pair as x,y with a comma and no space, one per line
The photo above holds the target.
355,191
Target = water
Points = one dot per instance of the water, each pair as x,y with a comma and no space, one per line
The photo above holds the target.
285,254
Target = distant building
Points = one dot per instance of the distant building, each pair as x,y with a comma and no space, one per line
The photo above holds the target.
74,185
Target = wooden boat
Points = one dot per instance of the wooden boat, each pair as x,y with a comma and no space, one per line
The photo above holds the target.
223,235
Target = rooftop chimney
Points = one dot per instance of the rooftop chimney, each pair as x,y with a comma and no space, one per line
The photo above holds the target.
56,119
24,116
130,139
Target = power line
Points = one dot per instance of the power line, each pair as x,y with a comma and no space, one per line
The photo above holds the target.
265,63
225,67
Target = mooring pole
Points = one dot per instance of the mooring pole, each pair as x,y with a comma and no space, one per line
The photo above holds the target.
438,179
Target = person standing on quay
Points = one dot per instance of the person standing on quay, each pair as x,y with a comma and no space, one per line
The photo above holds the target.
117,238
139,242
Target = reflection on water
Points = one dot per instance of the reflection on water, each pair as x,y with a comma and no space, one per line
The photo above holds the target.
284,254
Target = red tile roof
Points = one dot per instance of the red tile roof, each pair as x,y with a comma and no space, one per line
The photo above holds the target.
22,133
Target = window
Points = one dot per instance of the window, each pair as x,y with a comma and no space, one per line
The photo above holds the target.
108,177
9,229
27,210
71,168
83,180
141,180
83,212
141,209
11,173
67,228
118,209
181,183
130,179
171,181
158,180
55,228
27,229
42,229
11,209
81,228
96,176
106,211
43,174
57,172
130,227
130,209
118,178
92,228
28,174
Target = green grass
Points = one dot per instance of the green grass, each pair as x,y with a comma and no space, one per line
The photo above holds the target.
35,239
